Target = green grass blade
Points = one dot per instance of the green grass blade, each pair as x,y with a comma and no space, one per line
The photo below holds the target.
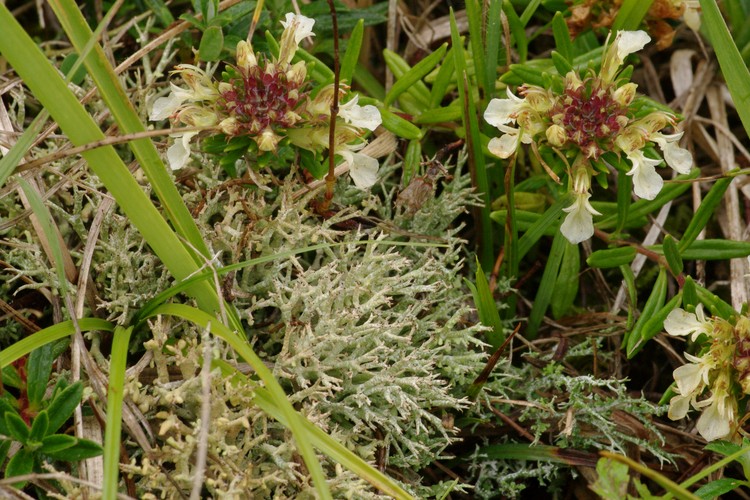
546,286
50,334
636,339
733,67
493,36
240,345
115,389
560,31
487,308
351,55
474,147
47,86
110,89
413,76
706,209
631,14
476,42
48,227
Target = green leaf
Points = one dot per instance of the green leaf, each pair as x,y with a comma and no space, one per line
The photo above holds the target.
62,407
612,257
672,254
369,84
567,281
654,303
4,448
732,65
39,368
212,43
689,293
39,427
631,14
493,45
67,65
399,67
561,64
413,76
655,323
115,390
717,306
727,448
399,126
517,29
445,76
81,450
711,250
160,9
718,487
546,286
55,443
450,113
412,160
20,464
5,407
351,55
706,209
563,42
549,219
17,428
487,308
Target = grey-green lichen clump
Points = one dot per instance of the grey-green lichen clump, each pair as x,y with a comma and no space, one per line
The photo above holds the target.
373,341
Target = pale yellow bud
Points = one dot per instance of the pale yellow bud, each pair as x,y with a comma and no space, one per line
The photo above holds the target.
556,135
245,55
625,94
267,140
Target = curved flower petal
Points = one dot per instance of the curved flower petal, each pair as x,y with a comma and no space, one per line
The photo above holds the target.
362,169
503,146
578,225
178,153
678,407
502,111
628,42
300,25
682,323
646,181
676,157
366,116
688,378
714,424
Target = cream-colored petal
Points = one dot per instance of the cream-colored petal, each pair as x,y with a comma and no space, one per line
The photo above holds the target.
501,111
678,407
646,181
688,378
578,225
366,116
677,157
681,323
503,146
178,153
362,169
629,42
301,25
164,107
712,424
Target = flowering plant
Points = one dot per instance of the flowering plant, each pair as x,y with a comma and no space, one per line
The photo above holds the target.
723,368
261,104
584,118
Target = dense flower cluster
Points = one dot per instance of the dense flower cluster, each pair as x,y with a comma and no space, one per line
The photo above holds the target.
723,368
269,100
589,117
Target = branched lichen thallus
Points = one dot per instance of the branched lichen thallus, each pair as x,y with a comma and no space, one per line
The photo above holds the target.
582,117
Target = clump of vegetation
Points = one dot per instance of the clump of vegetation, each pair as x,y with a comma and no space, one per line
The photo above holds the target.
200,302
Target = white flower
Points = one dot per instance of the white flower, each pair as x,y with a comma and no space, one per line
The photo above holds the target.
506,144
692,15
578,225
296,28
716,419
676,157
164,107
680,323
178,153
366,116
624,44
362,168
504,111
646,182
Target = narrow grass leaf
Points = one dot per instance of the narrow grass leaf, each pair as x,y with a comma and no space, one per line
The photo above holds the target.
413,83
401,127
547,221
546,286
414,76
517,29
653,304
631,14
444,78
733,67
560,32
706,209
477,44
672,254
715,304
492,40
115,395
487,308
412,160
711,250
611,257
50,334
567,281
351,55
439,115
